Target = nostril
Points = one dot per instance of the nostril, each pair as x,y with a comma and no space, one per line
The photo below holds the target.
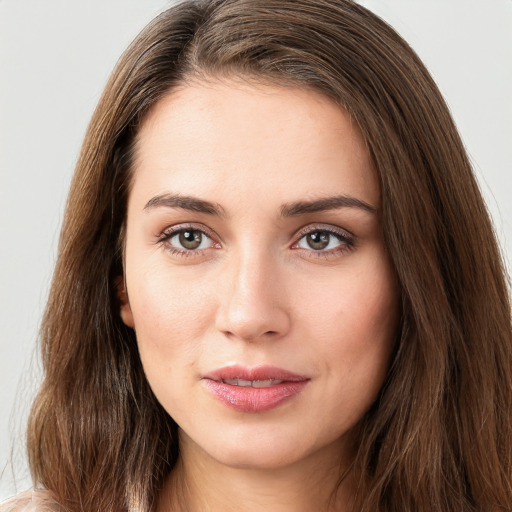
249,313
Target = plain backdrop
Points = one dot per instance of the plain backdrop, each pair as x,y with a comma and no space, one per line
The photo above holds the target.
55,57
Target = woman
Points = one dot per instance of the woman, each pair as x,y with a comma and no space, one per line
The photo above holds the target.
277,287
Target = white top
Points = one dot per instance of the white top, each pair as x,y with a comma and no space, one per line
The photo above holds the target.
30,501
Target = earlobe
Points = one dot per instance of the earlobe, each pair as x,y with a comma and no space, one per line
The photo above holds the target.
125,310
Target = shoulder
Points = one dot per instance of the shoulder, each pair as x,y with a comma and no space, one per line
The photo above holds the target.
31,501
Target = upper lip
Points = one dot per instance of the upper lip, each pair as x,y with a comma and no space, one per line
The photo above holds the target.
256,373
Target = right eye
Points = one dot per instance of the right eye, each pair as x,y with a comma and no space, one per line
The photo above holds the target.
190,239
186,240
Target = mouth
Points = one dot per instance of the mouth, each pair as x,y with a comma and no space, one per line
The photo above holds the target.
252,383
254,390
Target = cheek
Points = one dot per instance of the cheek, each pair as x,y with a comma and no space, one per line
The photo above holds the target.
169,328
355,305
170,316
354,324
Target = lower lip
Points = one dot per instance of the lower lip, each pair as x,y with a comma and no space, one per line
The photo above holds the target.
249,399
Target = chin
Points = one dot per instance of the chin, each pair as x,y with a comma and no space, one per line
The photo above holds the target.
249,448
266,448
258,457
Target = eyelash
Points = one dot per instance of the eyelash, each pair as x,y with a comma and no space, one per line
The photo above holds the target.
347,242
168,234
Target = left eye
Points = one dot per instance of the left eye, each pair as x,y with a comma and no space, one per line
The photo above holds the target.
190,240
322,240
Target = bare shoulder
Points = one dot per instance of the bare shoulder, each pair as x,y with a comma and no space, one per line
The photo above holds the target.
31,501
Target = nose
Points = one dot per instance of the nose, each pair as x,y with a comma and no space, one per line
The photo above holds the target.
252,300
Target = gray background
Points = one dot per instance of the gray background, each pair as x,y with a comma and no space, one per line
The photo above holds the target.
55,57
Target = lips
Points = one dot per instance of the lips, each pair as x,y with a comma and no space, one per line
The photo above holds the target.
252,383
254,389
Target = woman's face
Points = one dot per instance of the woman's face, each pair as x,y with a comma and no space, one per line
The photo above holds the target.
259,287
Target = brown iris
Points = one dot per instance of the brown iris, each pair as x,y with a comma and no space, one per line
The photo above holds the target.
318,240
190,239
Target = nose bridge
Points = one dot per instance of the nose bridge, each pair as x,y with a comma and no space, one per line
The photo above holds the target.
252,303
249,275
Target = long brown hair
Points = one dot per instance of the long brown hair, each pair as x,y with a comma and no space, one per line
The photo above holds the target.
439,436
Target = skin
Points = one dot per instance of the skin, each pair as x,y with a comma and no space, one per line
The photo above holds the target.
255,291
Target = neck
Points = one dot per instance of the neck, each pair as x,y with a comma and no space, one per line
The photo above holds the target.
199,483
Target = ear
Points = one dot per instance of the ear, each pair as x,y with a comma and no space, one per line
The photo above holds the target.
125,310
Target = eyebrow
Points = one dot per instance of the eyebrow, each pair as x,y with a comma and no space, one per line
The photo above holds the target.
294,209
325,204
186,203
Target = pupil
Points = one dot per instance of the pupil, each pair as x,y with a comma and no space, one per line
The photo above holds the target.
190,239
318,240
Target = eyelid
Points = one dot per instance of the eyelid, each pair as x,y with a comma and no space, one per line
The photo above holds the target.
169,232
329,228
347,240
177,228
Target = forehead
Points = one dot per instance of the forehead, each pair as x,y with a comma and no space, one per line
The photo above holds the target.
249,137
